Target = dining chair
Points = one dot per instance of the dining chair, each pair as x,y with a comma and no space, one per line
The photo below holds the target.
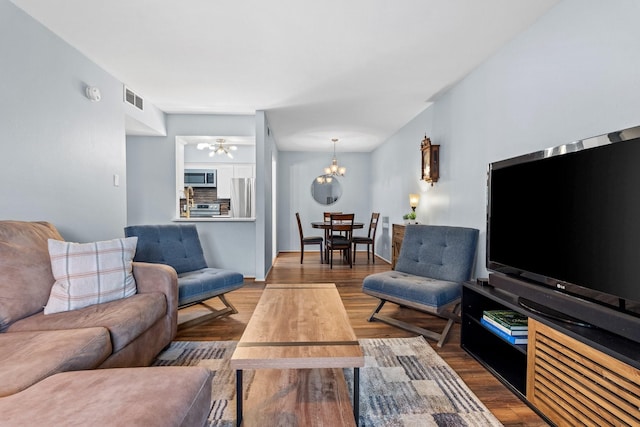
310,240
326,217
369,239
341,223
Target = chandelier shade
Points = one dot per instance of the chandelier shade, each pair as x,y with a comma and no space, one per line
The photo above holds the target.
218,147
334,169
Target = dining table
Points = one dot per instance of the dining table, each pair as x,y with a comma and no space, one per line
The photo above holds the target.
326,226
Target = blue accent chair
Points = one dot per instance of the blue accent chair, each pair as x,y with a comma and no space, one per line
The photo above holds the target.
178,245
433,263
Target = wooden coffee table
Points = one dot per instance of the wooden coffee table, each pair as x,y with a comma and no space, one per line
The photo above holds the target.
298,340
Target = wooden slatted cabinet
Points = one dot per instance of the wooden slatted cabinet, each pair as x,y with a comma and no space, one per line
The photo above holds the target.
575,384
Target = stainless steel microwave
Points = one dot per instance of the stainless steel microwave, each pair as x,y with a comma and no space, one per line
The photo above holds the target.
200,177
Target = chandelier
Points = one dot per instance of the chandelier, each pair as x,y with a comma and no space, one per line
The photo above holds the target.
324,179
218,148
334,169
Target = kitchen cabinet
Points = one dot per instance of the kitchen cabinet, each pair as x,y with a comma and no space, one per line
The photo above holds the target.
243,171
227,172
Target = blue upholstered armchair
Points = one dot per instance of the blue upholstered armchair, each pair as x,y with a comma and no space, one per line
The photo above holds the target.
433,263
178,245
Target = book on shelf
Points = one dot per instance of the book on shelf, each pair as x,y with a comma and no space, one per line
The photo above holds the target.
508,318
513,332
509,338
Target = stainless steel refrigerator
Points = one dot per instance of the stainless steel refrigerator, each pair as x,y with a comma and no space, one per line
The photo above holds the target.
242,202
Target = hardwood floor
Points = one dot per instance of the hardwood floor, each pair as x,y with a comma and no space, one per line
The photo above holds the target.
510,410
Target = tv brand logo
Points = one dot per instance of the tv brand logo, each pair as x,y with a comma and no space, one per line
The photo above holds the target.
560,286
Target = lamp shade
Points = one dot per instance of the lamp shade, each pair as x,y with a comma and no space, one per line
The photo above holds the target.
413,200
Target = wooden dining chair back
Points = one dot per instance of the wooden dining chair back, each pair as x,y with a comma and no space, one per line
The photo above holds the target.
309,240
327,218
341,236
369,240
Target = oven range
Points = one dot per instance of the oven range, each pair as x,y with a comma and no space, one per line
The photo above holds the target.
205,209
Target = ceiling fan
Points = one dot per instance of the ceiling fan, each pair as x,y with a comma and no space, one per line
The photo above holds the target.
218,147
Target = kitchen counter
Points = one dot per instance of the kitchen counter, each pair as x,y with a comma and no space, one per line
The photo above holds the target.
217,218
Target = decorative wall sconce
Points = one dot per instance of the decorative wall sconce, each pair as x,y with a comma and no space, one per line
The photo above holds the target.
414,199
430,170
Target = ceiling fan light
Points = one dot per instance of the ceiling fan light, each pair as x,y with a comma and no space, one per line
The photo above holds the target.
342,170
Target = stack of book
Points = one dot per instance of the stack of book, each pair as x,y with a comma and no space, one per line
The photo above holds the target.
507,324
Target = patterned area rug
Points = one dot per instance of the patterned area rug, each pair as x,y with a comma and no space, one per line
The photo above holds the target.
404,383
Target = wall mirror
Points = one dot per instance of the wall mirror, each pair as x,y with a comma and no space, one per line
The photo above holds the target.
326,190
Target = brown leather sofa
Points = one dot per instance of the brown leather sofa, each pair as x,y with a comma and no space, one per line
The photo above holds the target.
38,351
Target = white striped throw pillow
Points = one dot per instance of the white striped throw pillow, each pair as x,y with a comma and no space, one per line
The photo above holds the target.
90,273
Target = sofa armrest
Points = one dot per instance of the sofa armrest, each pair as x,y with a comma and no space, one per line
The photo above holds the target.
159,278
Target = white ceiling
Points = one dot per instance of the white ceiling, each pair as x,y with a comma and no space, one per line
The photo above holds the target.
356,70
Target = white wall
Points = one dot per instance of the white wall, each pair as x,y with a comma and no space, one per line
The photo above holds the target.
151,196
399,163
572,75
297,171
59,150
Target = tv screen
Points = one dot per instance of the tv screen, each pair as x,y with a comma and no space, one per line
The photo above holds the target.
569,220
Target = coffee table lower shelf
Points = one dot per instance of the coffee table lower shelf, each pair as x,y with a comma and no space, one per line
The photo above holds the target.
298,397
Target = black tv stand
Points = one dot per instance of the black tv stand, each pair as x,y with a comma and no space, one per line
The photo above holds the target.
546,365
544,311
605,318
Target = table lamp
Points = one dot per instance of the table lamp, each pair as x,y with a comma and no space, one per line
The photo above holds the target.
413,201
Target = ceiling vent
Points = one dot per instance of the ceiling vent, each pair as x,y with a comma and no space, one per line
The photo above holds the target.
130,97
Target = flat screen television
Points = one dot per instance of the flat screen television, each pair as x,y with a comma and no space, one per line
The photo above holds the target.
568,218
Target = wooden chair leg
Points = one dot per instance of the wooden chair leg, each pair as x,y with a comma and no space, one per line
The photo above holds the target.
373,253
321,255
228,304
439,337
213,312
